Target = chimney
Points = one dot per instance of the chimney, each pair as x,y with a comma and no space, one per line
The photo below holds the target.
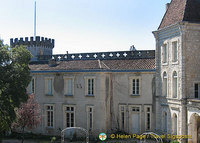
132,48
167,6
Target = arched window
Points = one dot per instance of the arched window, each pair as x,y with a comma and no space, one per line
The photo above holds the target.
164,84
174,124
175,86
164,121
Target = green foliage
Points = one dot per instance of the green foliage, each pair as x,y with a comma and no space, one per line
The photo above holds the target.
53,139
14,78
174,141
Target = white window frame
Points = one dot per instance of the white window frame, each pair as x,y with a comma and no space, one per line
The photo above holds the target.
65,114
66,86
47,86
123,128
146,116
175,52
136,87
31,90
90,113
173,84
165,84
46,115
86,86
164,53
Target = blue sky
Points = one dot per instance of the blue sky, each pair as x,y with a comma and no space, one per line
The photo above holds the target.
84,25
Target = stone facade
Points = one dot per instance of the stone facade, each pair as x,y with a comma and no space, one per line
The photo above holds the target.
187,36
112,90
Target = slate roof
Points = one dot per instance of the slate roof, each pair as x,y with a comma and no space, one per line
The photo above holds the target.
127,64
181,10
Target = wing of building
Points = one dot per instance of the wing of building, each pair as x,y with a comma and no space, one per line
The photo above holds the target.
177,66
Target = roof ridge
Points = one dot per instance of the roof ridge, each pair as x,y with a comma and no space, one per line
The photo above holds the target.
164,14
174,14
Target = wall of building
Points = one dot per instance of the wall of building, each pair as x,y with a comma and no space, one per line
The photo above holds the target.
111,91
122,96
79,100
192,58
172,106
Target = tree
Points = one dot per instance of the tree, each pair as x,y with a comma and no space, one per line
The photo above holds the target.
28,115
14,79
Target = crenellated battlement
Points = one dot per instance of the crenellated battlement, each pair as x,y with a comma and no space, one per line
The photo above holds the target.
38,41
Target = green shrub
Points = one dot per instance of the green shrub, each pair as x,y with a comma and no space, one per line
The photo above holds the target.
174,141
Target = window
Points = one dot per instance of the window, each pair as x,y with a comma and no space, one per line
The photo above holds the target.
122,112
136,109
164,84
32,86
174,124
164,122
69,86
90,86
90,110
174,51
50,116
164,53
175,84
49,86
196,90
135,86
69,113
148,118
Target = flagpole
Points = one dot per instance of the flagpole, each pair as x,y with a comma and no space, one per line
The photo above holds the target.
35,22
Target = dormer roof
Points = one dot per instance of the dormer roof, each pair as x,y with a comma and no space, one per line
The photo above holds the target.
180,11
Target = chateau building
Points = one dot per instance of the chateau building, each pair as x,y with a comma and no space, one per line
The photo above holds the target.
101,92
177,72
132,91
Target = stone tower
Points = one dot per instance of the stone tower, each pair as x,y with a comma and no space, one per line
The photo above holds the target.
177,67
37,47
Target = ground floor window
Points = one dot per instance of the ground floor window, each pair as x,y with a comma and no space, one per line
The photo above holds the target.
50,116
148,118
90,110
174,124
122,109
164,123
69,113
